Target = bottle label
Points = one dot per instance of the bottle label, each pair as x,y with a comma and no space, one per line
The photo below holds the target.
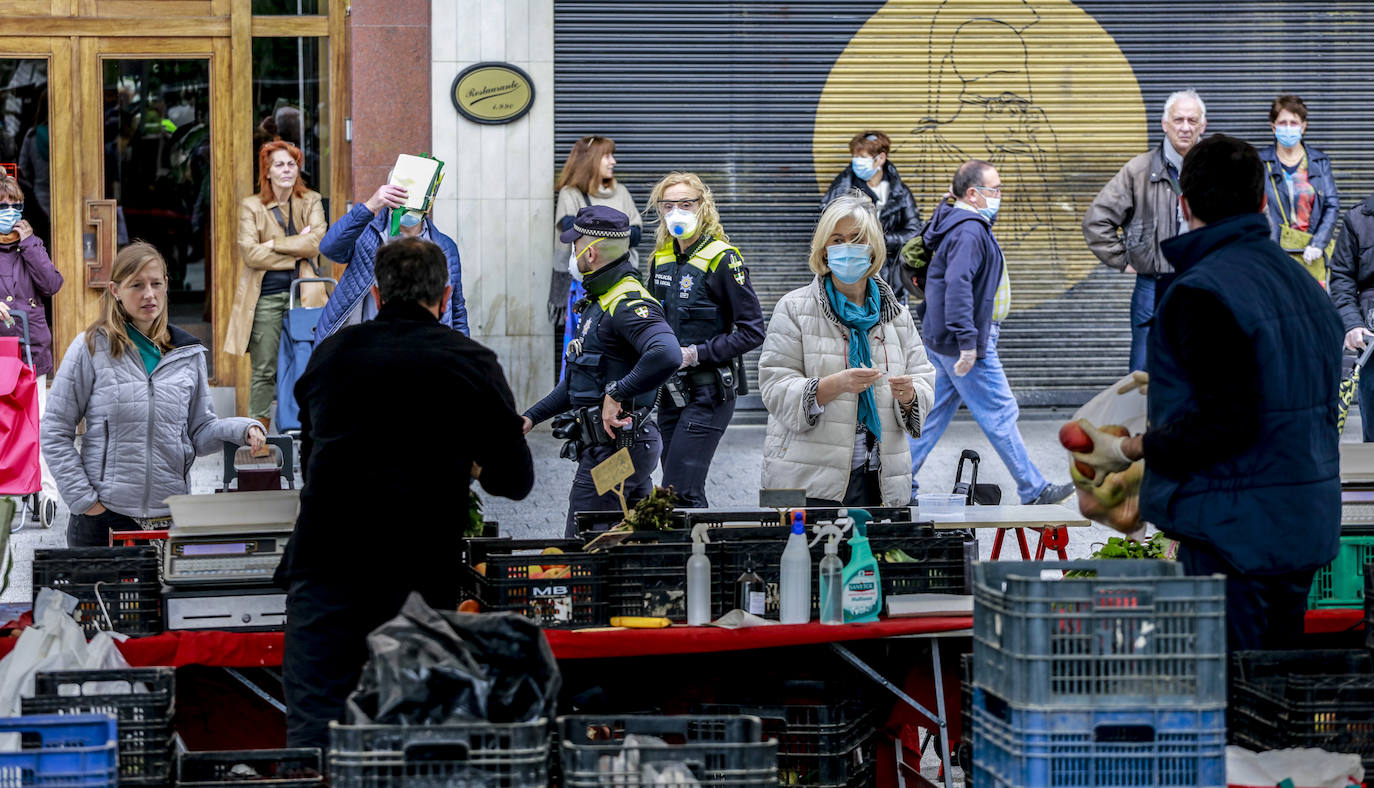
755,602
861,594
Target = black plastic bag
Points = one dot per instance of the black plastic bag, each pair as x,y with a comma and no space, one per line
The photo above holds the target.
428,667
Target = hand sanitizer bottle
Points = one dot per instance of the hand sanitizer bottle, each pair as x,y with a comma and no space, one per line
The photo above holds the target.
863,588
830,576
699,579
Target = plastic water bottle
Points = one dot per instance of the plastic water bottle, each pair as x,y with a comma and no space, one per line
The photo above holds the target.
795,602
698,580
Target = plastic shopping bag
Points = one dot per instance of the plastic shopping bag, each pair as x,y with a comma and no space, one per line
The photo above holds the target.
1115,502
1299,768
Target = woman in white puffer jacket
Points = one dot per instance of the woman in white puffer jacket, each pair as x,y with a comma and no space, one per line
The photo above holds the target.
843,372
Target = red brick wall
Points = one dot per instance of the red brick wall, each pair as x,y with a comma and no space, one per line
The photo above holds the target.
390,87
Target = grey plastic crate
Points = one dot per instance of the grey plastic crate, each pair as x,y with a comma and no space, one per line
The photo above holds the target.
719,750
1138,633
511,755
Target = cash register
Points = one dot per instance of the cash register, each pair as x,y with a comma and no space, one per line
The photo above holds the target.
219,558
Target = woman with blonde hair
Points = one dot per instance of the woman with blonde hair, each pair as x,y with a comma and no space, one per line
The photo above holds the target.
701,281
588,178
843,373
142,388
280,229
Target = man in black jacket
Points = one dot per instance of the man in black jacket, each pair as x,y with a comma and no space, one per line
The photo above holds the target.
870,172
1352,291
397,414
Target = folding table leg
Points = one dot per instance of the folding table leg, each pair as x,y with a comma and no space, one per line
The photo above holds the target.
997,543
1021,540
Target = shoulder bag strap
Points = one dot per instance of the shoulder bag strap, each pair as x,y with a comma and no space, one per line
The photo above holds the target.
1269,171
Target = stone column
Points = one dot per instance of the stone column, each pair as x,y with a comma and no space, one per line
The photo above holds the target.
497,194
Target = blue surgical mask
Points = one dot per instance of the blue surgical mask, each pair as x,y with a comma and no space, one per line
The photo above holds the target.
8,217
863,167
990,212
1288,136
848,262
411,218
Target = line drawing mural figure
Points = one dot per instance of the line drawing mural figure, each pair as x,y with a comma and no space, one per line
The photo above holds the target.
981,105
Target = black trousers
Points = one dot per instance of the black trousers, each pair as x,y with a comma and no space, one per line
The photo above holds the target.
690,437
864,490
1262,611
326,647
583,497
84,530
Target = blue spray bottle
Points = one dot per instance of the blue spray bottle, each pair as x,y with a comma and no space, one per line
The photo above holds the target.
863,588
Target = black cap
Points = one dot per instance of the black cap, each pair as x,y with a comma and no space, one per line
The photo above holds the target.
597,221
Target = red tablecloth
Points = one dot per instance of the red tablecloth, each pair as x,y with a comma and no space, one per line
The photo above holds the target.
589,643
1325,622
264,649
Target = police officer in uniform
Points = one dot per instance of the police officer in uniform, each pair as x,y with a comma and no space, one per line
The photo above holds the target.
623,352
708,300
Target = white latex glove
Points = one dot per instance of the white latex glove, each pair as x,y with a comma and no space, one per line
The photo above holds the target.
1356,338
965,362
1106,456
1311,254
689,356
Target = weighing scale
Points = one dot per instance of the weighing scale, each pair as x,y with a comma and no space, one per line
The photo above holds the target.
220,555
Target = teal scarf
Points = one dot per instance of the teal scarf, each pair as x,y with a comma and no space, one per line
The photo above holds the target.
859,319
149,351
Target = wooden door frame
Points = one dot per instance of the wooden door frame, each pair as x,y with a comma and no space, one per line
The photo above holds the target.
74,40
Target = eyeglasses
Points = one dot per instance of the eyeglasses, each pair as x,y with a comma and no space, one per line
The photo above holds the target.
5,206
995,191
665,206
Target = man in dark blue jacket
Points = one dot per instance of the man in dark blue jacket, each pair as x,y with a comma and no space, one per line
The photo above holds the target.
1241,457
353,241
967,296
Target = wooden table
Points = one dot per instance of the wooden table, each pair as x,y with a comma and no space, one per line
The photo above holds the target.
1052,521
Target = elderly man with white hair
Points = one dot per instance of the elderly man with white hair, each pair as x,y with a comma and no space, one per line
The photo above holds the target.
1138,209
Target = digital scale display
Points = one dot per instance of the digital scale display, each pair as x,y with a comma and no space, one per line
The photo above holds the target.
220,548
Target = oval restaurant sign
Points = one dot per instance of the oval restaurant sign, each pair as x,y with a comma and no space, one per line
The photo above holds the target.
492,93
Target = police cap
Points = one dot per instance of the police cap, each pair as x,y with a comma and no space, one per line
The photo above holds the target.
597,221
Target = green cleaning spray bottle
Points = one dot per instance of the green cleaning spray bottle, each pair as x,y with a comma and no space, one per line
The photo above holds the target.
863,588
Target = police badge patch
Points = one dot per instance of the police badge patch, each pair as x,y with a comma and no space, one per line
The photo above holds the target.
642,311
684,286
737,266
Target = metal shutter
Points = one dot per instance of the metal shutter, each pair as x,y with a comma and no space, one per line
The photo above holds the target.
760,99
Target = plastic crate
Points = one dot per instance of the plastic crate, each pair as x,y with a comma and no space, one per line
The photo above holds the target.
719,751
1341,583
511,755
294,768
963,754
1156,747
61,751
570,602
144,714
648,577
124,579
818,745
939,566
1139,633
1319,699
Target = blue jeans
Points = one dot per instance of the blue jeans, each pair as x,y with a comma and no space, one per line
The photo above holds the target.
1142,309
988,396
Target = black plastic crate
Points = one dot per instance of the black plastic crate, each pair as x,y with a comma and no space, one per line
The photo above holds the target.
514,580
818,745
963,755
141,699
294,768
813,514
115,587
718,750
1321,699
511,755
649,578
939,565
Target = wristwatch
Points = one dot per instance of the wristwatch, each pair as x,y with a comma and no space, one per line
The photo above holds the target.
612,392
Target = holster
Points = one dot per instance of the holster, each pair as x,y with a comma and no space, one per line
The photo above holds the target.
723,378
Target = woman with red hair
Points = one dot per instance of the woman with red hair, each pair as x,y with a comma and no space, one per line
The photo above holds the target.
280,229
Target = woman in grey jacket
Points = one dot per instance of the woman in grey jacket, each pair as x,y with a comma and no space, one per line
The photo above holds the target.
141,386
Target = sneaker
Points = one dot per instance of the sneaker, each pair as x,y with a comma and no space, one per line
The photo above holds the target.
1055,493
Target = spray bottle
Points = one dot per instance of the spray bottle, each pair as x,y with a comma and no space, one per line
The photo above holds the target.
795,605
699,579
863,588
830,575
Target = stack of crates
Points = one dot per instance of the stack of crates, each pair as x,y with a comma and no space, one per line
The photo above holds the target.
510,755
66,750
1112,676
714,750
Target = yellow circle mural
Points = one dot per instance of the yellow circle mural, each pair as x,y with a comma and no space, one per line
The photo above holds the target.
1035,87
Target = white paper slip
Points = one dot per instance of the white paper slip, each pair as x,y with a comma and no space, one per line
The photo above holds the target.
419,176
929,605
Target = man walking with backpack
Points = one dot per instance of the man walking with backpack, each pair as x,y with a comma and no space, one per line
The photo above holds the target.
968,294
